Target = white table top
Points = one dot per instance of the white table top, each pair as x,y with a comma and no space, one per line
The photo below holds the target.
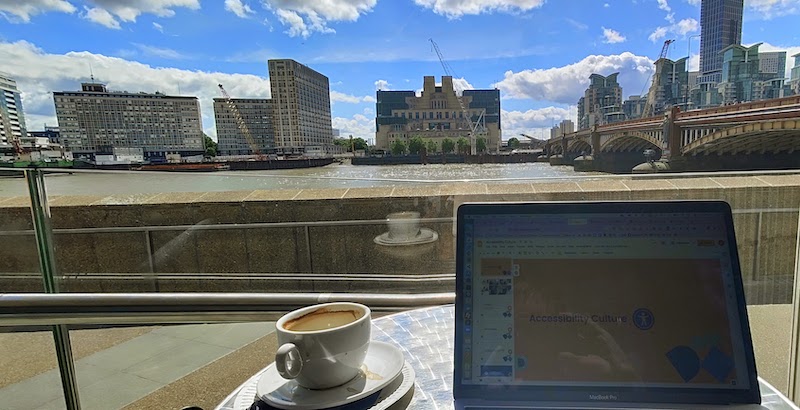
426,338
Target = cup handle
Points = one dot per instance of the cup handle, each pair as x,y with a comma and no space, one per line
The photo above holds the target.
288,361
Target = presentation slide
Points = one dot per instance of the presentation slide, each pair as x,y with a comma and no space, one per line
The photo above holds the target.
629,320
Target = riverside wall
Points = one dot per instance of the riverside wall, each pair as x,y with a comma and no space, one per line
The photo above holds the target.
161,242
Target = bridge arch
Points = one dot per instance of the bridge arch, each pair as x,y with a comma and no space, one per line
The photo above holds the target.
580,146
630,141
771,136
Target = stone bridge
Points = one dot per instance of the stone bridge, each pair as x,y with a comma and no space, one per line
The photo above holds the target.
757,135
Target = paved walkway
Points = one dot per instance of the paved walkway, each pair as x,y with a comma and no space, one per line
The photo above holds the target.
133,369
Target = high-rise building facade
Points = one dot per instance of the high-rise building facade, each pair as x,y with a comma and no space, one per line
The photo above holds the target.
740,74
257,117
772,64
301,107
436,114
720,27
670,86
794,78
567,126
97,121
633,107
601,103
12,119
743,78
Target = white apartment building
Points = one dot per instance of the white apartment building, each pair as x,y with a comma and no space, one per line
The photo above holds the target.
95,120
12,119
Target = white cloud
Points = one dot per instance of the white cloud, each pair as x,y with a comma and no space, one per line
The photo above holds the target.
577,24
304,18
38,73
681,28
687,26
768,9
382,85
238,8
658,34
612,36
458,8
22,10
461,84
158,27
606,5
523,122
166,53
567,84
100,16
535,123
359,126
109,12
694,62
337,96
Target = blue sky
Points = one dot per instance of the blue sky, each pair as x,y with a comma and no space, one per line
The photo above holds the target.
539,53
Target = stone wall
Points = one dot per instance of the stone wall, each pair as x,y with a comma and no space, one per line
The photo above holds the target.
311,256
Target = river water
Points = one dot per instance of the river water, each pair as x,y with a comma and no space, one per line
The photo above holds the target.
331,176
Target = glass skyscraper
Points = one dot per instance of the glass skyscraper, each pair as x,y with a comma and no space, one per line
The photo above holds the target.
721,26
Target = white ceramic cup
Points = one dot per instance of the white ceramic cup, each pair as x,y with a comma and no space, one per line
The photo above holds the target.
403,226
328,356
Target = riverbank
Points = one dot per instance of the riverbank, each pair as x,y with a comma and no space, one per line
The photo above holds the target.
447,159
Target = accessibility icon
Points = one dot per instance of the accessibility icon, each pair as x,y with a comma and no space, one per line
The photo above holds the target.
643,319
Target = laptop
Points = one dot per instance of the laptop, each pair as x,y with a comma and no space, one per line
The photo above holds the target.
601,305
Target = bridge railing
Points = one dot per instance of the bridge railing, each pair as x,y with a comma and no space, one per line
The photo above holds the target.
751,106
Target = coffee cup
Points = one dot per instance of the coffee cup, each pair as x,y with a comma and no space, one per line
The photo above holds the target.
323,346
403,226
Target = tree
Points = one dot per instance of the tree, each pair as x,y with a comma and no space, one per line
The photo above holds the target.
480,145
342,142
448,145
360,144
463,145
211,146
398,148
416,145
513,143
431,147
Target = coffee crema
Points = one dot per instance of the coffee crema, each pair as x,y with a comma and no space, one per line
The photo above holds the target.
322,319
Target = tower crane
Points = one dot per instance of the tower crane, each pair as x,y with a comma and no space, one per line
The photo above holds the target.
651,94
475,128
241,124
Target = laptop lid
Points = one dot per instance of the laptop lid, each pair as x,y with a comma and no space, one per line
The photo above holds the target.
613,302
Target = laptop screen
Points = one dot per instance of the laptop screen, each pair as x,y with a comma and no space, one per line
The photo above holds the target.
600,299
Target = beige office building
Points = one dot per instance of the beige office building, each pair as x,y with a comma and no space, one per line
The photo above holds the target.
96,121
257,117
436,114
301,107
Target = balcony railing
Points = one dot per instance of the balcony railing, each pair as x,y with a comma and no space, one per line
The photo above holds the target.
218,258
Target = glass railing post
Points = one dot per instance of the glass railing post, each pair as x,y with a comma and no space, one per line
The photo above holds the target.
40,212
794,346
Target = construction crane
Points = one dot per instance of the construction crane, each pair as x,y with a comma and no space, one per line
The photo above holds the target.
475,128
652,93
241,124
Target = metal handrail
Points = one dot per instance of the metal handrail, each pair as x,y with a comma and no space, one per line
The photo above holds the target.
36,309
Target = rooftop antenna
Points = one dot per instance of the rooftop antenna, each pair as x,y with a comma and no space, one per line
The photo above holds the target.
91,73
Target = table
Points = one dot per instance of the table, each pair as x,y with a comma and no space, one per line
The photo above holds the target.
426,338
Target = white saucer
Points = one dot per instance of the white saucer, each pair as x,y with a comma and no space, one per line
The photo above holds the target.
384,362
424,236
